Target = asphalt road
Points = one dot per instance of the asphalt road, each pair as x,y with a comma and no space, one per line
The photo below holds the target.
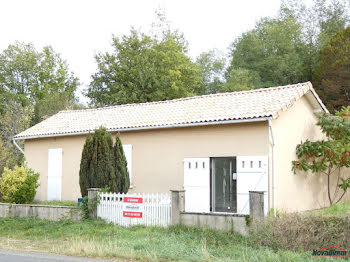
14,256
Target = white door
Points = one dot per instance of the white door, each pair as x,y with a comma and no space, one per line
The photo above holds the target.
252,175
197,184
54,175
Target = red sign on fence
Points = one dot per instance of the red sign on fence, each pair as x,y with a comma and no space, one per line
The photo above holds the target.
133,207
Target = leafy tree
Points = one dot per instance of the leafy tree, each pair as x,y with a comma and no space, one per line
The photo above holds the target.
15,119
121,168
273,52
33,85
4,152
212,65
144,68
53,103
29,77
332,77
330,157
240,79
97,162
320,22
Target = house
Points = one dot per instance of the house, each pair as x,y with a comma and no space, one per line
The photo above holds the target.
216,147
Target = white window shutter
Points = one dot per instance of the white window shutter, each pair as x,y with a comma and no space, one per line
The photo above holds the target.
197,184
252,175
128,155
54,174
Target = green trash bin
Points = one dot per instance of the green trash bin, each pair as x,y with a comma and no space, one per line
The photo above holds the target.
80,201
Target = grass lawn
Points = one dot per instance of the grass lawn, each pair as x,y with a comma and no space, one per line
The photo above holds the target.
97,239
56,203
336,210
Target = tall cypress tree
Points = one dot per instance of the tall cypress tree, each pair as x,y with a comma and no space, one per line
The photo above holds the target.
121,169
97,163
85,166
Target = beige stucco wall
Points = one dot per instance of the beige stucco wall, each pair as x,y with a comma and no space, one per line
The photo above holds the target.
303,191
157,157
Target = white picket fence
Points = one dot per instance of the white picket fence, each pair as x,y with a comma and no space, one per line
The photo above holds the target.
156,209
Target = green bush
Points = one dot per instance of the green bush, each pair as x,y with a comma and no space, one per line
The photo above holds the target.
302,233
19,185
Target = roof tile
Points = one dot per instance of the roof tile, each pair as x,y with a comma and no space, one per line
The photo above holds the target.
265,102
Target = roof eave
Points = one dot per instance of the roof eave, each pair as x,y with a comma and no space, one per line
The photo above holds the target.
246,120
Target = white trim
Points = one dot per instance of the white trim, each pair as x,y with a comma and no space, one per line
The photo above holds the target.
257,119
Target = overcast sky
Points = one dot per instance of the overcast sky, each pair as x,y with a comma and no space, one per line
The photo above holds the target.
78,29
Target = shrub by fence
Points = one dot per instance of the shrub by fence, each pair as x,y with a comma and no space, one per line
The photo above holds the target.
156,209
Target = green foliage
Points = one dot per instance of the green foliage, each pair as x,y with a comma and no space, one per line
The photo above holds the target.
84,207
66,203
212,65
320,22
89,205
15,119
19,185
103,164
334,210
273,53
329,156
85,166
11,181
332,75
144,68
28,77
95,238
4,153
286,50
33,85
27,191
97,162
240,79
121,169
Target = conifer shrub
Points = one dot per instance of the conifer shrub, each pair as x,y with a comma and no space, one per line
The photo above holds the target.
103,164
121,168
97,162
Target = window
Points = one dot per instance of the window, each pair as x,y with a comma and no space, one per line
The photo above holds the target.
128,155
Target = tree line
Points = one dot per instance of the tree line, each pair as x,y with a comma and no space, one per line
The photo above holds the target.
298,44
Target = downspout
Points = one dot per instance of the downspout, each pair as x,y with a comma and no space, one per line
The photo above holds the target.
18,147
274,183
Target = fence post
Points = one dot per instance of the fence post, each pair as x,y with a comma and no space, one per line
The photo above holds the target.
256,205
177,205
92,201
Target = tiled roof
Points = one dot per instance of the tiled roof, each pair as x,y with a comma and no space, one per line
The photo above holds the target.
258,103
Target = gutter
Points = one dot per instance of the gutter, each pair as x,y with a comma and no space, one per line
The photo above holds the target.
257,119
274,182
18,147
